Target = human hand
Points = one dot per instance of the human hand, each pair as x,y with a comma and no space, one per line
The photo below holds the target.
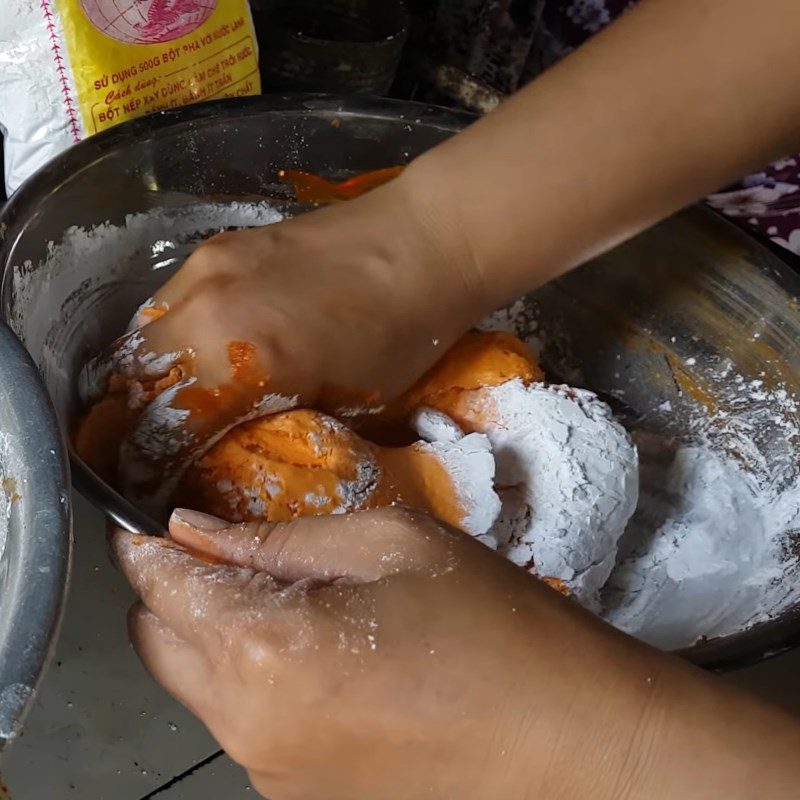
341,308
384,655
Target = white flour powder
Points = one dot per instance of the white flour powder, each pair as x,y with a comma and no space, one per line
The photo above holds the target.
567,474
703,550
5,505
713,546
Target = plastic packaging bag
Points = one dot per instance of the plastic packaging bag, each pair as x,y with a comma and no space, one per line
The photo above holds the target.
71,68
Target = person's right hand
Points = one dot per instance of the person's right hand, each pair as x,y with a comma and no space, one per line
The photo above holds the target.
385,655
339,309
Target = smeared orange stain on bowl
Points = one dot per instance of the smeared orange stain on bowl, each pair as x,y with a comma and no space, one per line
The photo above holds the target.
309,188
9,486
685,380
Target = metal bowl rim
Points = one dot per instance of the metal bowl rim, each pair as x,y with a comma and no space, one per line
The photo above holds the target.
41,573
86,153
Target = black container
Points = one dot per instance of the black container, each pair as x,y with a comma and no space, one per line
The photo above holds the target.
345,46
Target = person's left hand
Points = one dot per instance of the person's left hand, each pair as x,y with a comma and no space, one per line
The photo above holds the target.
385,655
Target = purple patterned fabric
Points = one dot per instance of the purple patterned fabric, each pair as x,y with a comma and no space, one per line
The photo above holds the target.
504,43
768,201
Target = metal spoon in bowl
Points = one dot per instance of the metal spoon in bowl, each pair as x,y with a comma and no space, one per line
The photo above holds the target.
125,514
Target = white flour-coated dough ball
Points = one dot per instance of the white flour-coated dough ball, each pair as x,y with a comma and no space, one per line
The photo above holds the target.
567,474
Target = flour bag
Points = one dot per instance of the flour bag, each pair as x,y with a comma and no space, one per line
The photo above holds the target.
72,68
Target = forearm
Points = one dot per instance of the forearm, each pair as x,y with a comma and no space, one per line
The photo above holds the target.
716,742
674,100
655,728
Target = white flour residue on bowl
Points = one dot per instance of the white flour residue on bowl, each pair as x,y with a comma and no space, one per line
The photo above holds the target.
712,549
5,508
713,546
12,697
105,251
7,491
705,552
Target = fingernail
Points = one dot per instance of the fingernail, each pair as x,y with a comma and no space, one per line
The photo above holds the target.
204,523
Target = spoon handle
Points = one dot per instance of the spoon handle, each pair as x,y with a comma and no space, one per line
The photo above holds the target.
125,514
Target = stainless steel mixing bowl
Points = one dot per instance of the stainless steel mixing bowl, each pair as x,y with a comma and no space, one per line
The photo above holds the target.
35,541
641,325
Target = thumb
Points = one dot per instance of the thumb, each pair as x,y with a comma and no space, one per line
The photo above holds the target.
358,548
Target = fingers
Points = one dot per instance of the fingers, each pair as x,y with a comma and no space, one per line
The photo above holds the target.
134,356
181,398
156,343
359,547
202,602
157,450
175,429
151,353
180,667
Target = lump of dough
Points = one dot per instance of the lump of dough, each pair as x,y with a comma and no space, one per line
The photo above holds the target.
305,463
479,359
567,475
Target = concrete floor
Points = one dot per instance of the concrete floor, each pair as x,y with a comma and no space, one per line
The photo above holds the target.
102,730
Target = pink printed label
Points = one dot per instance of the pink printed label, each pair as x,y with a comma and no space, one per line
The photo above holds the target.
147,21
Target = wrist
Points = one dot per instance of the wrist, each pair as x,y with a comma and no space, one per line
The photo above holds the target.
717,742
443,252
581,731
654,729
